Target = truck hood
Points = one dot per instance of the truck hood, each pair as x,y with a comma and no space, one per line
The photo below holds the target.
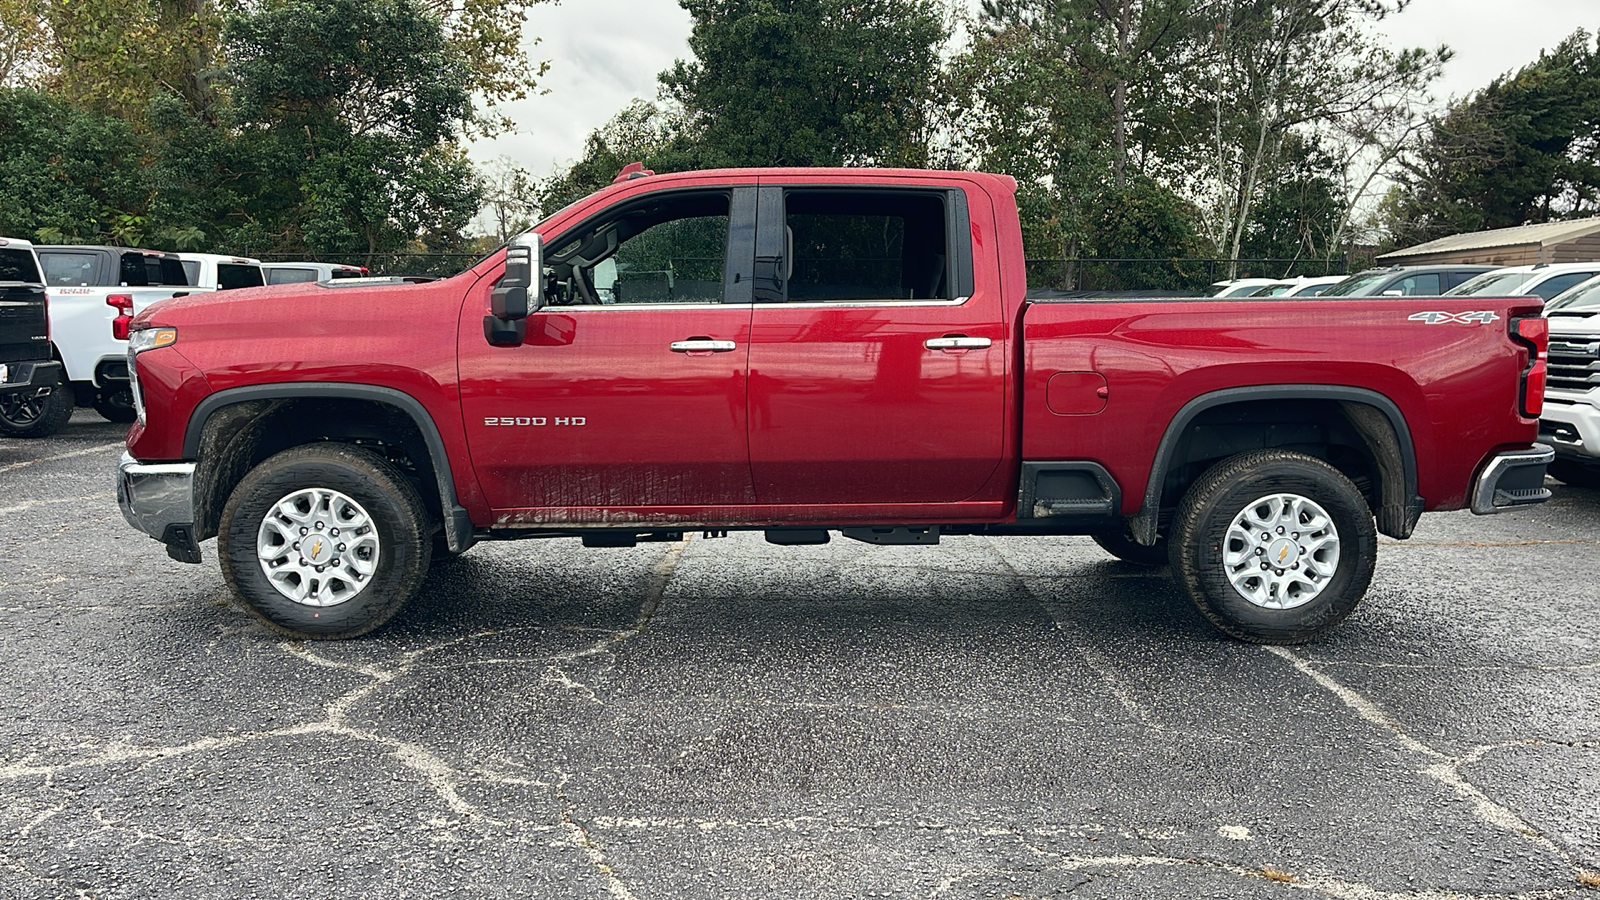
285,299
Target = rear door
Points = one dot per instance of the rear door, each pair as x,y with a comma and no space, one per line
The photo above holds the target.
877,355
629,392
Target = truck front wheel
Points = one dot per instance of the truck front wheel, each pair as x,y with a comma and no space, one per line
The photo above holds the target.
1274,547
324,541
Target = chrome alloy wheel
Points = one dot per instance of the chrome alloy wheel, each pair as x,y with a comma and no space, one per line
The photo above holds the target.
1281,551
318,547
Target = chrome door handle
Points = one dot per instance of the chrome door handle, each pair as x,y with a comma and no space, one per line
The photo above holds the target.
702,345
956,343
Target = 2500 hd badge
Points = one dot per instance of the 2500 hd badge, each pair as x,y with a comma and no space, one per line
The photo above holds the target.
534,421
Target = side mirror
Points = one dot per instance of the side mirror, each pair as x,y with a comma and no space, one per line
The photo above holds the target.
519,294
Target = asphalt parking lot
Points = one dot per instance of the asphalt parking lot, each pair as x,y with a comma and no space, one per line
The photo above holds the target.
1022,718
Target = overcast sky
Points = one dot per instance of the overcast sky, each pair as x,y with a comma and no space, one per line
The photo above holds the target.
604,53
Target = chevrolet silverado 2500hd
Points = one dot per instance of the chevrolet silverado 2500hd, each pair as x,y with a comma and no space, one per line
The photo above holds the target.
800,352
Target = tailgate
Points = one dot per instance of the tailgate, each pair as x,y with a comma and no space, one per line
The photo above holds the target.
23,331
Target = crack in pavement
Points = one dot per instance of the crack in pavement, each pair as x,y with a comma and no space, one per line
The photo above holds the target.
1444,769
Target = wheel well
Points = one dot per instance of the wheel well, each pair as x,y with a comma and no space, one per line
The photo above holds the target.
1356,438
239,436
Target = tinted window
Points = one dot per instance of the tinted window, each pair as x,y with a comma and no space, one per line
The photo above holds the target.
237,275
62,268
1585,296
871,246
276,275
17,265
347,273
191,271
1490,284
1426,285
134,271
1356,285
1555,284
172,272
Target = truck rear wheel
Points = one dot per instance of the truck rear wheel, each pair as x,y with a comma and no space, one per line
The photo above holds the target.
324,541
1274,547
36,417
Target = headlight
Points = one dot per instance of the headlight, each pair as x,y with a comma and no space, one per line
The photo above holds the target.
139,342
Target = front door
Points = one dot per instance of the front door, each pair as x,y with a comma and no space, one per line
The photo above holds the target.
629,391
877,367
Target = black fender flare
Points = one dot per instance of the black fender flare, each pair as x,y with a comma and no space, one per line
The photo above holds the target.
1398,515
457,524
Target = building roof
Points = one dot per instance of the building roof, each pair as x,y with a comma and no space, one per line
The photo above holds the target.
1544,235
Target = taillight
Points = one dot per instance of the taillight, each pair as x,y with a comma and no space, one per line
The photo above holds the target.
123,304
1534,332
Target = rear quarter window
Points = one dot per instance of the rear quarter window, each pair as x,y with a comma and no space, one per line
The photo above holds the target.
292,276
236,275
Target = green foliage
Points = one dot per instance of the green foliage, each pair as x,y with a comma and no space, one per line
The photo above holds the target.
65,173
809,82
1298,213
1521,150
642,131
1144,221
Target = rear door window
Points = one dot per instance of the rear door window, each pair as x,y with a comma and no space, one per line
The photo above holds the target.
867,246
1555,284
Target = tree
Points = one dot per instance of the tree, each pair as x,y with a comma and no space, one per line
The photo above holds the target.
1521,150
65,173
1268,69
352,109
809,82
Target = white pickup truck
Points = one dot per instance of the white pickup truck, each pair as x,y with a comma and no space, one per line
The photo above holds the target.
215,271
1571,419
95,291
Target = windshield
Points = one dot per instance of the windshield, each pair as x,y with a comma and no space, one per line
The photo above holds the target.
1584,296
1490,284
1358,285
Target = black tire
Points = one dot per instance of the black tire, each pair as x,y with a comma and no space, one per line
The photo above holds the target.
1122,545
36,417
1575,474
1201,543
116,404
398,523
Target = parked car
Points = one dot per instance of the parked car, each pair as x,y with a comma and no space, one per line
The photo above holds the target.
94,292
1298,287
35,399
215,271
298,272
1405,281
1240,287
790,379
1543,280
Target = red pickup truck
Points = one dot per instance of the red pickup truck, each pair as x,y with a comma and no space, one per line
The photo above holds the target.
802,351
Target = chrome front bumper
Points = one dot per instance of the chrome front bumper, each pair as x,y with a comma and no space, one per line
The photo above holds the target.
1512,479
159,501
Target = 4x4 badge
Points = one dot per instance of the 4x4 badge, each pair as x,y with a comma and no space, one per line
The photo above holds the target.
1450,318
